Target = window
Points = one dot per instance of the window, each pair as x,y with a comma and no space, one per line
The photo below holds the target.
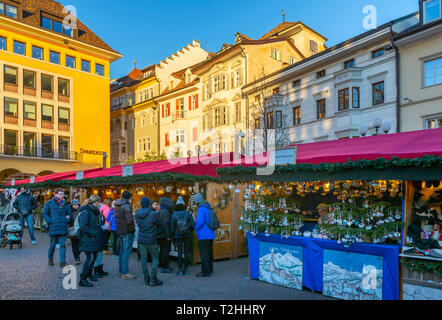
70,62
10,142
11,107
28,79
123,148
270,120
343,99
349,63
57,26
143,120
63,148
320,105
153,118
291,60
99,69
433,72
85,66
46,83
37,53
10,75
63,87
47,113
257,123
46,23
378,93
279,119
296,116
166,140
296,83
275,91
54,57
63,116
19,48
377,53
432,10
276,54
168,109
29,144
356,99
46,146
8,10
149,145
238,112
320,74
434,123
216,117
2,43
313,47
180,135
29,110
188,78
193,102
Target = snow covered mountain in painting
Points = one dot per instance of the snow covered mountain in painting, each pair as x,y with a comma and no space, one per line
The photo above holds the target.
284,270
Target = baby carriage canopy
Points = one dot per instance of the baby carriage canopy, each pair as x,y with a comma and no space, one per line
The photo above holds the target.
12,222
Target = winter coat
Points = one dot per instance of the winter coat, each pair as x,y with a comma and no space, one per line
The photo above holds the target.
25,203
111,219
165,216
148,224
202,229
90,226
55,216
104,209
177,215
124,220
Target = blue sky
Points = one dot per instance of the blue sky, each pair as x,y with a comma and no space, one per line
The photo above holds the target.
150,30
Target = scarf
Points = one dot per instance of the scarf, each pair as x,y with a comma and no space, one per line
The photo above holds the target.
61,202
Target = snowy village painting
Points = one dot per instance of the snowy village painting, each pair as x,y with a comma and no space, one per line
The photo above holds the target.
352,276
281,265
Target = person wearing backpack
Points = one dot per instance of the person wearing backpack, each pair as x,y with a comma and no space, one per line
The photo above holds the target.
75,241
149,225
25,205
205,235
57,214
164,237
182,227
90,224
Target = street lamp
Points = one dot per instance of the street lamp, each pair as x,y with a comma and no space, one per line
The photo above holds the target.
377,123
363,131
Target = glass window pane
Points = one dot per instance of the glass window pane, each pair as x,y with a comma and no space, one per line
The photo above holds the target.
46,112
99,69
68,31
19,47
85,66
2,8
10,75
46,146
70,62
46,23
438,71
432,10
63,87
46,83
37,53
58,27
11,107
54,57
2,43
10,138
29,110
11,11
28,79
63,116
29,143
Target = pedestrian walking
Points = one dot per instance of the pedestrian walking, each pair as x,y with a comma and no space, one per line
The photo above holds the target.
164,237
90,226
205,236
149,225
75,241
25,204
113,229
182,227
57,214
105,209
102,245
125,227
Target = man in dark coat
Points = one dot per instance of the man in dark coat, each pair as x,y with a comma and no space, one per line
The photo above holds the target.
57,214
182,227
125,225
148,228
90,225
25,205
164,237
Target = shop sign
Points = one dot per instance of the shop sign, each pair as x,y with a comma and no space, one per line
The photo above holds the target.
32,180
127,171
79,175
286,156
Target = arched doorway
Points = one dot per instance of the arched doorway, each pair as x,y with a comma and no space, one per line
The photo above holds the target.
45,173
8,175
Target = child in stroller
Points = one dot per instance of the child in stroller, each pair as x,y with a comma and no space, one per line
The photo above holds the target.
10,230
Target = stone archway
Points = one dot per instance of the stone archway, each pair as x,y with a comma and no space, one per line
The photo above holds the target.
7,175
45,173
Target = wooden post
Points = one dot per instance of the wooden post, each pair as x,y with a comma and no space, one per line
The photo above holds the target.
235,226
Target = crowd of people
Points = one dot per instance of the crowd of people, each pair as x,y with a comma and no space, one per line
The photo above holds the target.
90,225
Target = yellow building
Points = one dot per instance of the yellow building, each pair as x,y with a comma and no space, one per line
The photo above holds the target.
54,91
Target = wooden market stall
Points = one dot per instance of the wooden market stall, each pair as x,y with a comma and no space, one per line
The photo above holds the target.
363,190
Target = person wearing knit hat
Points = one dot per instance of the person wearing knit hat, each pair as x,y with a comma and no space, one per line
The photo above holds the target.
180,201
198,198
323,211
126,195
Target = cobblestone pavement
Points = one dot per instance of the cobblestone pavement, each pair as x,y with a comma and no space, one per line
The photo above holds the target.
25,275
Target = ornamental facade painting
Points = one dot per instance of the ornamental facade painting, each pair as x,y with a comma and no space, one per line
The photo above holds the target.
352,276
281,264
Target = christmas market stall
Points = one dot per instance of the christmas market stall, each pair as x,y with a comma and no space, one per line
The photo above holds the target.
165,178
337,218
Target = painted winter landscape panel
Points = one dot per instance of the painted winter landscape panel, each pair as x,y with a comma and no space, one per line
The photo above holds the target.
281,264
352,276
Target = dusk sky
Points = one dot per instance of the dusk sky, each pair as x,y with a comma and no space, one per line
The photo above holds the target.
150,30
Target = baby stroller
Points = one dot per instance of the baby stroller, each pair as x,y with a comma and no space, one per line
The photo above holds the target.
11,228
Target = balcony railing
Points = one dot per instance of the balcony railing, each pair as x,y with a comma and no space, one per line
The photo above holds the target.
11,150
118,134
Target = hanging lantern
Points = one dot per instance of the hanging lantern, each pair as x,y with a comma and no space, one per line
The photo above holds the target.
183,192
95,191
160,192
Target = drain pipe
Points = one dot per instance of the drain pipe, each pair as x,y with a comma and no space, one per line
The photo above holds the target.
398,81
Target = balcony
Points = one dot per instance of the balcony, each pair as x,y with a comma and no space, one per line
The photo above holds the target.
42,153
119,134
119,158
348,75
178,115
274,101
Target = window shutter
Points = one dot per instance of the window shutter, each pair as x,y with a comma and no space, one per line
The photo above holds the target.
232,80
162,111
196,101
168,109
227,115
177,105
240,77
167,139
190,103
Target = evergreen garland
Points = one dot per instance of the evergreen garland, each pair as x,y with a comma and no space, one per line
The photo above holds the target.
422,265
